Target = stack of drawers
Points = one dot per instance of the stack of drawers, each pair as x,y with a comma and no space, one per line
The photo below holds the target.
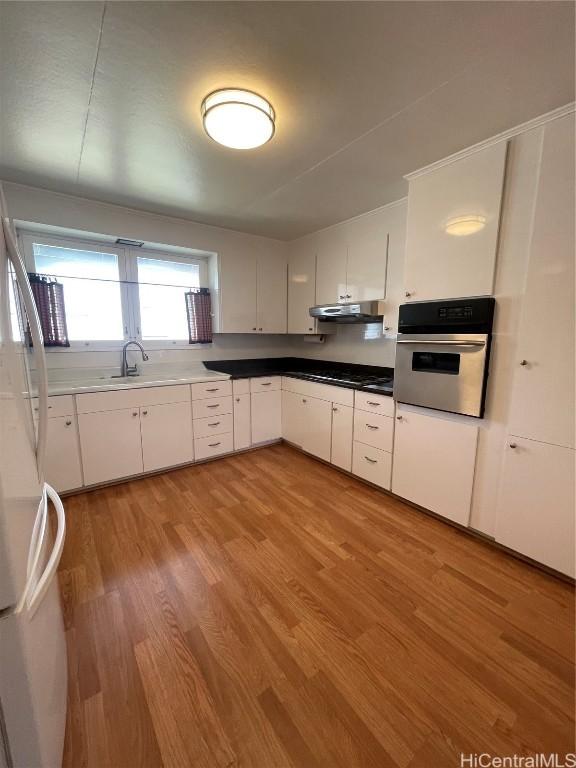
373,438
213,420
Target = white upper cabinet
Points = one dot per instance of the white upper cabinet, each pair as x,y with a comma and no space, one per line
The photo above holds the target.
301,286
253,292
331,256
238,293
440,265
271,294
367,239
542,403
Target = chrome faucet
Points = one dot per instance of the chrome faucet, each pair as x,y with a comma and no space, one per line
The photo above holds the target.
131,370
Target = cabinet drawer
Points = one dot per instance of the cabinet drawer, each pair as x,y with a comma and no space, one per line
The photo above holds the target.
214,406
211,389
373,429
205,447
213,425
115,399
339,395
58,405
366,401
372,464
241,387
265,383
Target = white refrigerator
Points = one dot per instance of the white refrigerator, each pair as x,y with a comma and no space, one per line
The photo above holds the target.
33,669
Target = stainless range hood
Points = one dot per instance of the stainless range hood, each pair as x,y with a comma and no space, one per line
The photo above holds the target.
360,312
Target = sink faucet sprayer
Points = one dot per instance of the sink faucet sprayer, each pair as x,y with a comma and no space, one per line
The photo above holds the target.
131,370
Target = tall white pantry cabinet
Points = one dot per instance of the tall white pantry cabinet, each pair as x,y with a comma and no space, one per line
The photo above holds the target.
536,503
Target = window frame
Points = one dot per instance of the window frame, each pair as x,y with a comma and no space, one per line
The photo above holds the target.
129,293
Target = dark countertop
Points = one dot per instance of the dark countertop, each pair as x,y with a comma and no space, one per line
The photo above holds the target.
300,368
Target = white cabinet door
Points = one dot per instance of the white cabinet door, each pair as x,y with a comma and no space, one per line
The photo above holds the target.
301,287
536,504
266,416
440,265
238,293
342,425
434,460
317,426
542,404
242,435
62,469
166,435
111,444
272,294
331,266
367,257
292,417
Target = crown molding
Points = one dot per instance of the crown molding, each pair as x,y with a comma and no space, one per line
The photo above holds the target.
504,136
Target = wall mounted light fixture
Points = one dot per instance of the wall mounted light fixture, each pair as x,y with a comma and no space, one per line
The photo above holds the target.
465,225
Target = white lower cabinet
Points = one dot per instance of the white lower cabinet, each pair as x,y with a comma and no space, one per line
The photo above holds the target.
536,504
62,468
242,431
434,461
372,464
317,427
266,416
342,428
111,444
166,432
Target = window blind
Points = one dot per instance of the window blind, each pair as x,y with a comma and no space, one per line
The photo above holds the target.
49,298
199,313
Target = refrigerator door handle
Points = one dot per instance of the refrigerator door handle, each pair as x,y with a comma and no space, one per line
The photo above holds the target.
41,586
34,550
37,342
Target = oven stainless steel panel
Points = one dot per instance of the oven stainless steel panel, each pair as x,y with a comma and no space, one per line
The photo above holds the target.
442,371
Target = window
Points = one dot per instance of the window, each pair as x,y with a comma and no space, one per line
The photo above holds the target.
91,290
162,286
113,293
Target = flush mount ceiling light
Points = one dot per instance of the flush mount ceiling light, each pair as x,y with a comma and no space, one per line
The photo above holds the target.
465,225
238,119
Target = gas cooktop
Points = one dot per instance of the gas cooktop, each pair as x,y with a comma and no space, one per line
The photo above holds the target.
343,378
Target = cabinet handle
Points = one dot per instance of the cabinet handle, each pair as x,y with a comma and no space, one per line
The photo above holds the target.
523,362
372,426
408,294
213,406
145,413
259,329
265,383
342,297
372,461
214,424
386,327
213,445
335,410
310,329
134,413
513,445
237,399
399,418
214,389
371,402
304,401
348,296
68,423
254,328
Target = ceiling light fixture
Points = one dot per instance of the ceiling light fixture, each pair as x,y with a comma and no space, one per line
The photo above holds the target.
238,119
465,225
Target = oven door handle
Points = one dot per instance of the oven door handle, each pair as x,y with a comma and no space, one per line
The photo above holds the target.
445,342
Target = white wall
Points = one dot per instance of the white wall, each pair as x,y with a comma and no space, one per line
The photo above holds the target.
366,344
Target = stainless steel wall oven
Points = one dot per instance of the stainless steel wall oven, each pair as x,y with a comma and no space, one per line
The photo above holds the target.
443,354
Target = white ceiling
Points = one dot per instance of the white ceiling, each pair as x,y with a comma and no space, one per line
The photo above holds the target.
102,100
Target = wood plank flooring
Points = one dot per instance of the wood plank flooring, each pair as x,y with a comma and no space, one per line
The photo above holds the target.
267,611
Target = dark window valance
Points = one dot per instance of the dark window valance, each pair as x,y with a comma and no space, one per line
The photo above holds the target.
49,297
199,312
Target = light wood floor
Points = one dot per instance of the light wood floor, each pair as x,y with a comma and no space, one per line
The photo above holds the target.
265,610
